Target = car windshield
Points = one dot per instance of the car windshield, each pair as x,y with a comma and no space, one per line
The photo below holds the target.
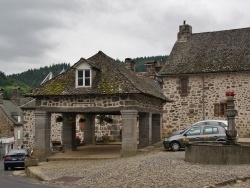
193,131
182,131
18,152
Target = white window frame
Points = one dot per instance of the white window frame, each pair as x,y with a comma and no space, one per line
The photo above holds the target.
84,78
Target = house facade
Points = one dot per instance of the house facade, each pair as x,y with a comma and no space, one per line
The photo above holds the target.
200,69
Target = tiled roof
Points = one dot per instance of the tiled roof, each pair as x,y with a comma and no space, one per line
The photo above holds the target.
219,51
110,78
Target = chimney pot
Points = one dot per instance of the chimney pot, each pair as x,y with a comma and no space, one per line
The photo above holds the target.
129,64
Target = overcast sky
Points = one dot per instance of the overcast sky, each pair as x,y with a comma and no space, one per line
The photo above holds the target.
36,33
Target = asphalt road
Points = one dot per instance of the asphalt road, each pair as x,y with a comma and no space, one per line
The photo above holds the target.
17,178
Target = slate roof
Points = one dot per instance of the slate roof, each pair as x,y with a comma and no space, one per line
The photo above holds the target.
110,78
219,51
11,110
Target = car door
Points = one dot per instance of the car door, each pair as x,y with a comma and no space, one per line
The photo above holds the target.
193,134
210,133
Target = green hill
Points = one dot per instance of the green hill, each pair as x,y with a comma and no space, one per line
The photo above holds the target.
7,83
28,79
34,77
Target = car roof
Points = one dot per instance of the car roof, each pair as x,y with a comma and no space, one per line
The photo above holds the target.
212,120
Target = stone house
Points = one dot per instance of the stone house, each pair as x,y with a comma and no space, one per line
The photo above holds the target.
11,127
93,86
200,69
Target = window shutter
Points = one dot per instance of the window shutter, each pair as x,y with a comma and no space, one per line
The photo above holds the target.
216,109
223,107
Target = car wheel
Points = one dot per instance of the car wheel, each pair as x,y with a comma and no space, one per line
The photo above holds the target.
175,146
6,168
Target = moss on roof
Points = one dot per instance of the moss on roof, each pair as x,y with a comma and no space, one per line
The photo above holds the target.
109,78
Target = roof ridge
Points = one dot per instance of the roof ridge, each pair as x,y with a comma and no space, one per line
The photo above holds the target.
221,31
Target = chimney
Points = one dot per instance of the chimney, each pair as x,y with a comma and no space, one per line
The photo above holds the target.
151,68
16,95
1,96
184,32
129,64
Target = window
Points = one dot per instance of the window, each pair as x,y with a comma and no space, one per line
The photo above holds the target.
194,131
220,109
83,78
210,130
184,86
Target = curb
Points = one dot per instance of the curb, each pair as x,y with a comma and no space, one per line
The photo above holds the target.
31,174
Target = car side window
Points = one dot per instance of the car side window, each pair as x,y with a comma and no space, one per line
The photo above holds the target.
194,131
210,130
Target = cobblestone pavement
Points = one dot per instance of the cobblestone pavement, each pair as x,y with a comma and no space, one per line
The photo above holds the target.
157,168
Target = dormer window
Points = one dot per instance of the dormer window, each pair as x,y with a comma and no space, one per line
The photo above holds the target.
83,78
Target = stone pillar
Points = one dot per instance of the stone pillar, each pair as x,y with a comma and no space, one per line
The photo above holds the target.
145,130
129,133
156,128
69,132
231,131
89,130
42,148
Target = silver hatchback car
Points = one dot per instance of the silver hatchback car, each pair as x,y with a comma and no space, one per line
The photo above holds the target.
193,134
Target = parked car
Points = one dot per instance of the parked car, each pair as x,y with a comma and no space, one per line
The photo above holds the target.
223,123
15,158
193,134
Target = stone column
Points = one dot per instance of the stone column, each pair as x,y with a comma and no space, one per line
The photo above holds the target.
145,130
129,133
231,131
89,130
42,148
68,132
156,128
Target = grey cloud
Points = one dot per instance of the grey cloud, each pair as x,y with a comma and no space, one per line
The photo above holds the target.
22,21
34,32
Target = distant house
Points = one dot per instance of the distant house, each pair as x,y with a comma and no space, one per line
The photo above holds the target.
152,68
48,77
199,70
11,127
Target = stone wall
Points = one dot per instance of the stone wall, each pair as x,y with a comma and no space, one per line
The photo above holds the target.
56,128
105,101
28,128
204,91
6,126
109,129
